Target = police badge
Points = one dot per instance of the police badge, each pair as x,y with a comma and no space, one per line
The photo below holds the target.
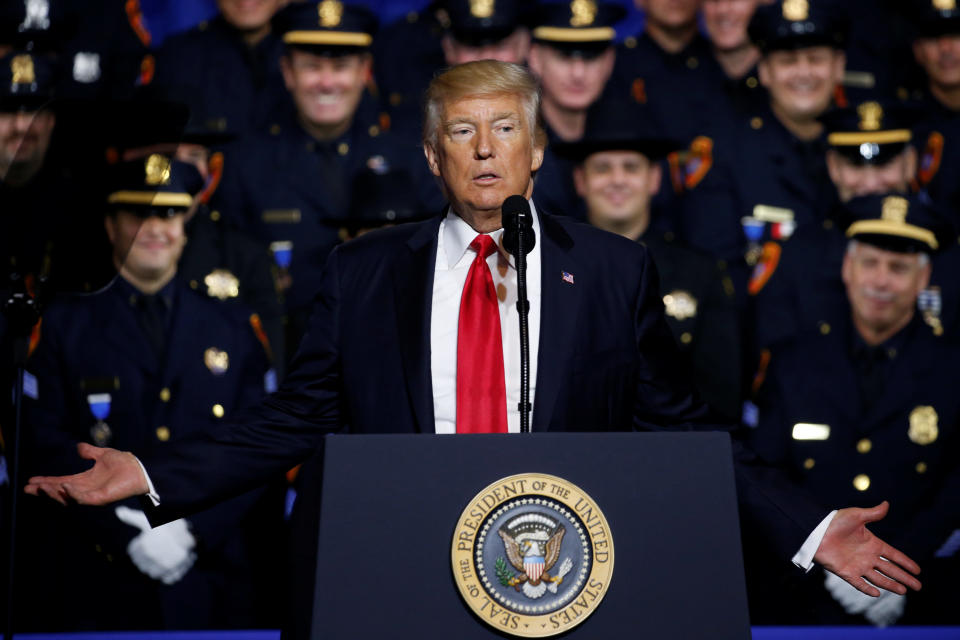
532,555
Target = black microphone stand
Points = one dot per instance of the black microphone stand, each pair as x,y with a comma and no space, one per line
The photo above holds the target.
523,308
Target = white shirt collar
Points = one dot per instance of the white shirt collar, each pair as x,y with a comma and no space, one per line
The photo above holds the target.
457,235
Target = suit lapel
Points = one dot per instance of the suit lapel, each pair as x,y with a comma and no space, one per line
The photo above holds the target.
559,309
413,296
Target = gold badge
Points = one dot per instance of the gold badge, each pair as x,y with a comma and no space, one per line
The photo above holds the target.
216,360
894,209
871,115
157,170
536,548
794,10
222,284
945,5
330,12
680,304
923,425
582,13
481,8
22,69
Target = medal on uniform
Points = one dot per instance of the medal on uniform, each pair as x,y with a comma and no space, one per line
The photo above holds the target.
100,408
753,229
282,251
930,304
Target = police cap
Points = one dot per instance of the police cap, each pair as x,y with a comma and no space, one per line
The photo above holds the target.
795,24
583,27
329,27
382,196
871,132
936,17
905,224
480,22
615,124
27,81
154,185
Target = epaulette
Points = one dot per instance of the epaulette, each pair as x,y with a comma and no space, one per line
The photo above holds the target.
137,23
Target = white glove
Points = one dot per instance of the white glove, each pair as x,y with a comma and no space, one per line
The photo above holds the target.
880,612
164,553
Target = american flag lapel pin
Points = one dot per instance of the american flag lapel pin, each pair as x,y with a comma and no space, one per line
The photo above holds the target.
567,277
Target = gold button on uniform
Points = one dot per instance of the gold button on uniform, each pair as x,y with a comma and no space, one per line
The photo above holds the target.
808,464
921,467
343,148
194,284
630,43
756,123
864,445
686,338
692,62
218,410
165,395
824,328
163,434
861,482
374,131
215,215
752,82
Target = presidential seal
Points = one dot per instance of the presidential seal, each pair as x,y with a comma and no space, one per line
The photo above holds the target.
532,555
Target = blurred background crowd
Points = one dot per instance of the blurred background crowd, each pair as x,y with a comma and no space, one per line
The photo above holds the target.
792,165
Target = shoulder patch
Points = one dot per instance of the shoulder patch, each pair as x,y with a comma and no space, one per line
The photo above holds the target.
761,375
638,90
34,338
137,23
257,325
765,267
688,167
148,67
931,158
215,167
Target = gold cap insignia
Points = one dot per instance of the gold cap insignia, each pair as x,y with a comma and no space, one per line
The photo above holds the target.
923,425
680,304
945,5
794,10
330,12
582,13
894,209
157,168
482,8
22,69
871,115
216,360
222,284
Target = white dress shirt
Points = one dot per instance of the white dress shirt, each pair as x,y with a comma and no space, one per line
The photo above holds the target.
454,257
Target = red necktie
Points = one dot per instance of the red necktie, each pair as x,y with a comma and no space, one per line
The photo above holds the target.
481,391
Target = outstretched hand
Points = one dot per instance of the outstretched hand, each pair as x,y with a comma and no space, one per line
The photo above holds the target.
115,475
852,552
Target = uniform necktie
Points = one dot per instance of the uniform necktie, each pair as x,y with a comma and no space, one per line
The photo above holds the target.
153,322
481,391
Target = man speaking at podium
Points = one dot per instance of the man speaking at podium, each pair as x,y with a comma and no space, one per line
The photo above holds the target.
414,330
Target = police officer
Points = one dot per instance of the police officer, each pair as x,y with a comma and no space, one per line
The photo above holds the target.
770,175
291,186
573,56
229,67
129,365
617,174
726,22
869,408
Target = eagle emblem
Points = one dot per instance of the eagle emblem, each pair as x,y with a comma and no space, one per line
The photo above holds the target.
532,542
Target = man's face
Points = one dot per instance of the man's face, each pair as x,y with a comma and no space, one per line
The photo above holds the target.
514,48
195,154
24,137
801,81
485,153
940,58
852,180
325,89
726,22
249,15
883,286
148,249
670,14
617,186
571,81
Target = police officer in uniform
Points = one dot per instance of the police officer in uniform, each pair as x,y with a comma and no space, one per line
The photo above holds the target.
870,408
127,366
573,56
726,22
769,174
617,174
229,67
291,186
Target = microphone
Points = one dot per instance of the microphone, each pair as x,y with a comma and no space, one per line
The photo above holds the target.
517,219
518,239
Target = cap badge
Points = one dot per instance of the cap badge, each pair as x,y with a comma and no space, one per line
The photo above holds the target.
157,170
22,69
680,305
330,12
794,10
894,209
945,5
482,8
222,284
871,115
923,425
216,360
582,13
37,16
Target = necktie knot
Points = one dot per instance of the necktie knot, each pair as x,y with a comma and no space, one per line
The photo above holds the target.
483,245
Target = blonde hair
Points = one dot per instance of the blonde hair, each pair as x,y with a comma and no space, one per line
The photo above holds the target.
480,79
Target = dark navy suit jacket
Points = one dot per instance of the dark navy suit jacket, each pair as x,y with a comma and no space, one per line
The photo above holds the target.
607,362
